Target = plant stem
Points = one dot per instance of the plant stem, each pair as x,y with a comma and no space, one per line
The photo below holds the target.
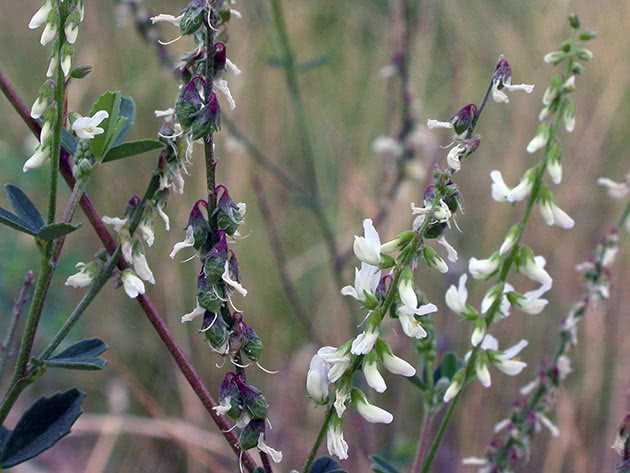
319,439
46,265
146,304
18,308
502,279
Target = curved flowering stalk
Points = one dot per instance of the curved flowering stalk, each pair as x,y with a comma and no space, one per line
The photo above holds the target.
559,108
511,444
214,222
384,285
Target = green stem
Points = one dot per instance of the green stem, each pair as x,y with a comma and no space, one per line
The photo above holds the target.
319,439
503,275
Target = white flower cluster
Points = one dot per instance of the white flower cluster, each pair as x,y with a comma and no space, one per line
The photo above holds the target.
334,366
62,26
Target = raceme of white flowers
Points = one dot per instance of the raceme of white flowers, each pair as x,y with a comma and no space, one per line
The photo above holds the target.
329,378
60,20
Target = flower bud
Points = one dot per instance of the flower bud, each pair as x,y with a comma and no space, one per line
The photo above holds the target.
208,120
188,103
193,16
462,121
251,343
317,380
250,434
370,412
229,214
216,331
252,399
220,57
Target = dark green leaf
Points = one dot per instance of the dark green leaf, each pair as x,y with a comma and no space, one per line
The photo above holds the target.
380,465
42,425
449,366
132,148
56,230
24,208
325,465
15,222
83,355
68,142
128,111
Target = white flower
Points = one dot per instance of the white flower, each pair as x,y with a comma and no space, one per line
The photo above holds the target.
87,128
41,16
52,66
534,269
387,146
72,31
338,361
372,413
366,280
231,282
83,278
275,455
396,365
564,367
409,300
456,297
317,380
39,158
454,155
232,68
168,113
66,64
222,86
500,190
116,222
148,235
544,420
132,284
438,124
540,140
482,268
454,388
39,107
451,252
368,248
412,326
478,333
46,132
501,97
189,241
164,217
503,360
616,190
335,442
162,18
224,407
342,396
198,311
522,190
531,302
554,168
364,342
49,33
373,376
141,267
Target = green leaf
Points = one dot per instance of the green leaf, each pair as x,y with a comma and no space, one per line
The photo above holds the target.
15,222
132,148
447,369
83,355
325,465
380,465
46,422
110,102
68,142
24,207
80,72
56,230
127,111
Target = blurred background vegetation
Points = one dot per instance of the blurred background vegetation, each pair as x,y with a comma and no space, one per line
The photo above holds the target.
140,413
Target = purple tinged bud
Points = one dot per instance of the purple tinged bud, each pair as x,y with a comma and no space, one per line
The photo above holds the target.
429,193
220,57
502,73
463,120
383,286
